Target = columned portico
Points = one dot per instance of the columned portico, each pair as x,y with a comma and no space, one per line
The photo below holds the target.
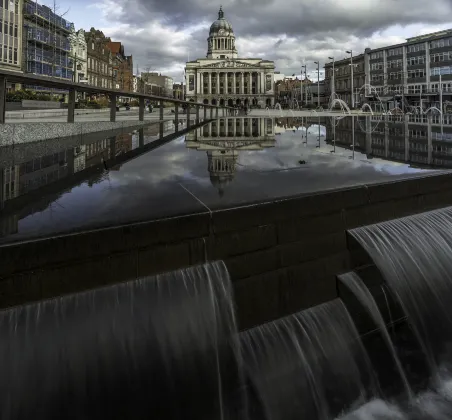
224,78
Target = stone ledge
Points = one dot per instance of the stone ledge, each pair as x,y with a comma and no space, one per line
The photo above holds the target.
18,133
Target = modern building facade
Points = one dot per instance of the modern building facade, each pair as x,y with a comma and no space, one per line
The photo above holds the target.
416,73
99,59
341,83
224,78
413,70
11,30
79,55
46,46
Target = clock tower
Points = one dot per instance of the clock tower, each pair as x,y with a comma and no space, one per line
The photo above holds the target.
221,41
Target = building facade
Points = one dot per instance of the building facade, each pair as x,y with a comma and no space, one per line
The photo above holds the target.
224,78
79,55
341,83
178,91
99,59
11,27
157,82
413,70
417,73
122,67
46,46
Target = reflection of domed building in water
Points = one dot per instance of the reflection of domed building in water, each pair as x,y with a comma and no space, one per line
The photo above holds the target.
224,139
223,78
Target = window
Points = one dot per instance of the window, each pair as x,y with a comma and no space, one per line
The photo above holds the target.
436,71
413,61
395,51
437,58
15,31
441,43
416,47
377,66
376,55
11,29
394,64
416,73
15,55
395,75
6,4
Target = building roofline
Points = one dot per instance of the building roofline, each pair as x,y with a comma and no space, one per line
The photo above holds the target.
417,40
358,57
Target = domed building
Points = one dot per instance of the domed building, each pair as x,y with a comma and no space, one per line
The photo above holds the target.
224,78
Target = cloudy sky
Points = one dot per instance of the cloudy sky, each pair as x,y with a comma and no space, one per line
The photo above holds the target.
162,34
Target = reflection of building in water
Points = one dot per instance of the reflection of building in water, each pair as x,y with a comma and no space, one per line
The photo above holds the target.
44,170
224,139
79,158
97,152
416,139
123,144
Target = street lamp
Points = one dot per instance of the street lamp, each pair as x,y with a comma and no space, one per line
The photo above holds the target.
332,80
303,67
351,67
318,82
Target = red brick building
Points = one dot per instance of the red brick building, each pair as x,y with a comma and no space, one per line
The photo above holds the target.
122,67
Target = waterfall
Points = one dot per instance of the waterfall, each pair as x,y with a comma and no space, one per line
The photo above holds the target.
414,255
162,347
354,283
310,365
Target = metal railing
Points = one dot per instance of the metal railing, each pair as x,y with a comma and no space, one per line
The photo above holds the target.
72,88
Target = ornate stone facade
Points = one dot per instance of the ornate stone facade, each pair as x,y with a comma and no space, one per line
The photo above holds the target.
224,78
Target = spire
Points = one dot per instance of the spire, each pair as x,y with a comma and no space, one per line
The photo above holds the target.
221,13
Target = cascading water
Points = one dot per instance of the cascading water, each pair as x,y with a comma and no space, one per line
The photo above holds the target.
310,365
414,255
162,347
354,283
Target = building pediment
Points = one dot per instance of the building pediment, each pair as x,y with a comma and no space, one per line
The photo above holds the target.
227,64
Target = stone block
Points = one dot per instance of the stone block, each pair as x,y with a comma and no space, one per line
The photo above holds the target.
312,283
90,274
241,242
294,230
313,247
254,263
293,208
163,258
258,299
393,190
435,182
19,289
63,249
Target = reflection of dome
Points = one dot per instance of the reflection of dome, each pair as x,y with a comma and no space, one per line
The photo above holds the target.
220,24
221,168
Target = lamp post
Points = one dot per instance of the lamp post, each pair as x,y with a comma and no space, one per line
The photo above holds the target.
318,82
303,67
351,74
333,87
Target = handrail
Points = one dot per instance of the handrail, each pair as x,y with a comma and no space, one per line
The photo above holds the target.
53,82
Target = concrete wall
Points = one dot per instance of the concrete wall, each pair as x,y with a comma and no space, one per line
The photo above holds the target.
26,103
18,133
282,256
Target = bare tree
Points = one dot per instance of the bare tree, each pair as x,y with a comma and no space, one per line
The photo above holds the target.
144,78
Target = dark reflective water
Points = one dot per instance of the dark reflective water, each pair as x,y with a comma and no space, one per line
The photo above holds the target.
54,187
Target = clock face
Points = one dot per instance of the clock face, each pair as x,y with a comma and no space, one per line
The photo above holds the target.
221,32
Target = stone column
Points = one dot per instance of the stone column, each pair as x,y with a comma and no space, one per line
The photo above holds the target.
242,83
250,90
218,84
234,91
210,83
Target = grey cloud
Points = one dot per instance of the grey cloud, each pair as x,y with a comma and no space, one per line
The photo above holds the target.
293,17
320,27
